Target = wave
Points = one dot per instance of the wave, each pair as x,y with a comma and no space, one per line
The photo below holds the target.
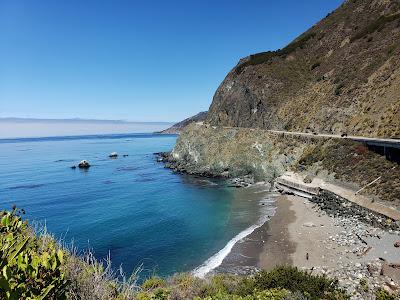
26,186
217,259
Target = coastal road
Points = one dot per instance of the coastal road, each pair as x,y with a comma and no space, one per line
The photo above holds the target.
388,142
369,140
388,147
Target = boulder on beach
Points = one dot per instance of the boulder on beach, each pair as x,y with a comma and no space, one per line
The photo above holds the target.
113,155
84,164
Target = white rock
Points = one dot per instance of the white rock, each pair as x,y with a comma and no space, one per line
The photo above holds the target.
309,224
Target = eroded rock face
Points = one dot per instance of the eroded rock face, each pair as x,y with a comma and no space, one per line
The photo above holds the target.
236,152
342,75
223,152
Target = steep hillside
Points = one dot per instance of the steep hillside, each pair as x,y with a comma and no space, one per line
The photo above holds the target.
178,127
342,75
238,152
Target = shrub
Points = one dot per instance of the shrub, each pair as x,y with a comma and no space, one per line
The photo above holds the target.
361,150
28,272
338,89
271,294
263,57
220,284
381,294
376,25
292,279
152,283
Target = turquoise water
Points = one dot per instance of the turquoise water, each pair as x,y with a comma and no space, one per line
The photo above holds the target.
131,207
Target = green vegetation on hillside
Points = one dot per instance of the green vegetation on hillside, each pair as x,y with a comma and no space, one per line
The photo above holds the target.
37,267
377,25
263,57
353,162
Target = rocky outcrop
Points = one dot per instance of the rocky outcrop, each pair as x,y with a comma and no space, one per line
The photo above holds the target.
342,75
84,164
336,206
113,155
237,152
233,152
178,127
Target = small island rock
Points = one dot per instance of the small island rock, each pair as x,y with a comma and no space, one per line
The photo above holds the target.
113,155
84,164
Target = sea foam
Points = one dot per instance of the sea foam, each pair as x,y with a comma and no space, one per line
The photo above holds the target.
216,260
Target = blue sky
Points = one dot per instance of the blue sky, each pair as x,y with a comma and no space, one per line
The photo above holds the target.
134,60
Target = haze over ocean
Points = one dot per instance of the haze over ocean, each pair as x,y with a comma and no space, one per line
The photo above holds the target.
20,128
131,207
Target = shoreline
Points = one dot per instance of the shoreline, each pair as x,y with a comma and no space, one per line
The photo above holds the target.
343,247
229,259
326,235
300,234
271,237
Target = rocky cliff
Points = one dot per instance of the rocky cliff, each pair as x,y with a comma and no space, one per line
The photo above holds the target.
342,75
237,152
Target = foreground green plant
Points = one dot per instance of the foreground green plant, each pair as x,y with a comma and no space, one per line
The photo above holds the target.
381,294
294,280
27,271
36,267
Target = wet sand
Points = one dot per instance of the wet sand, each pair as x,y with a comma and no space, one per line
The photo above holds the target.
268,246
278,247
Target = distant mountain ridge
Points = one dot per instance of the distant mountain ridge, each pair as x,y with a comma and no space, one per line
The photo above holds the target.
176,128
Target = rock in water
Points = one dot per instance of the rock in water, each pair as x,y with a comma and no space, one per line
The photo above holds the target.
84,164
113,155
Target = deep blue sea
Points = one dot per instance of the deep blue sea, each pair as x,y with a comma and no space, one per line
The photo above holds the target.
130,207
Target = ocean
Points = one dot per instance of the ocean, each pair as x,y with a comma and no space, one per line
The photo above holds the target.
131,208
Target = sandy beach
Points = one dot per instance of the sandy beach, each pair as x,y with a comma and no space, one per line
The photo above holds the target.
296,236
302,235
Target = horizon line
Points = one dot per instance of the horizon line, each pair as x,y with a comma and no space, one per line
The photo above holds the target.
83,120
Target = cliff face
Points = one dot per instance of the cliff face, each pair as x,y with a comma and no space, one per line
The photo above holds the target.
233,152
217,151
342,75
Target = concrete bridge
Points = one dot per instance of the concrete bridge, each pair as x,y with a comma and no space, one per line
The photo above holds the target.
388,147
